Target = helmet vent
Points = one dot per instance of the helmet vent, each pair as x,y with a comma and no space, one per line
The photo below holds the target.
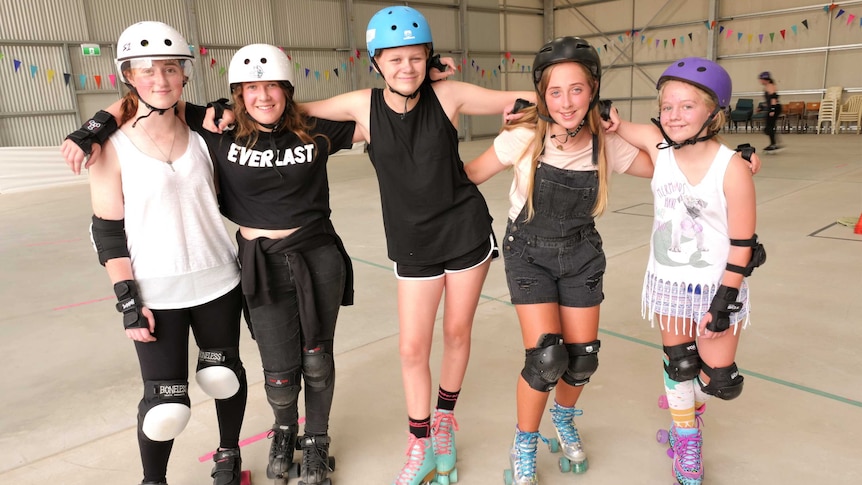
701,69
168,42
145,43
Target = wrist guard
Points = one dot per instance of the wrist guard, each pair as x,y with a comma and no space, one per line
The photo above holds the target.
746,151
520,104
723,304
605,109
435,63
96,130
129,304
220,106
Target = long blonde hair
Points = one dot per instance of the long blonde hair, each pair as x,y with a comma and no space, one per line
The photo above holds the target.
531,118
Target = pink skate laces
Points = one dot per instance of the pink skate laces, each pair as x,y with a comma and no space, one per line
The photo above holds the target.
415,458
441,429
687,448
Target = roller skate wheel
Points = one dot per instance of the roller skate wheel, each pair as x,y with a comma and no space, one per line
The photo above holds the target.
332,463
662,402
508,476
293,471
453,475
442,479
669,452
554,445
662,436
245,477
565,465
581,467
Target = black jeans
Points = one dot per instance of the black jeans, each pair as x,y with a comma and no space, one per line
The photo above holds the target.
278,332
215,326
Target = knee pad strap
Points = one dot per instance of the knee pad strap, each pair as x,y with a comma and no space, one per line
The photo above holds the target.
583,362
165,409
724,382
545,363
219,372
683,361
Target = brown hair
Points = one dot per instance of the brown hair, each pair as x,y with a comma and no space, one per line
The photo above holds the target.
294,118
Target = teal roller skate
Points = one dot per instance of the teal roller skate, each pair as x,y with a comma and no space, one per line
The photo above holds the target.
522,458
281,452
443,437
574,458
421,467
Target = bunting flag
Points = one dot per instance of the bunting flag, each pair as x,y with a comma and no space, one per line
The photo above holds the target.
66,78
33,70
335,71
212,62
221,71
17,64
82,79
98,79
50,73
2,56
203,51
112,78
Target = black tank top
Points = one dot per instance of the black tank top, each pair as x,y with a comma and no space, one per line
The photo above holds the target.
431,211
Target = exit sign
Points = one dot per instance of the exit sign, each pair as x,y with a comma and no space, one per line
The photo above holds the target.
91,50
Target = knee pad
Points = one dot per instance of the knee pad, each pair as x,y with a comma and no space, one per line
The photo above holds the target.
219,372
165,409
724,382
545,363
282,388
583,362
683,362
318,368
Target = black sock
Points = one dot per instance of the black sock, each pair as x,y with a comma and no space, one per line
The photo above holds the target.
420,428
446,400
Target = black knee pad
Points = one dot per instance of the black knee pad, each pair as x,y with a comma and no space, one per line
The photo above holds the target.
683,362
165,409
282,388
724,382
583,362
545,363
220,373
318,368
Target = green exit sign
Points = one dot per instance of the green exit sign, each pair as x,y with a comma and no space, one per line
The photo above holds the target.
91,50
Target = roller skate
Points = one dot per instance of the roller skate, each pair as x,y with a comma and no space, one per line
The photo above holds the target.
281,453
316,462
522,458
443,438
421,466
574,458
228,468
687,460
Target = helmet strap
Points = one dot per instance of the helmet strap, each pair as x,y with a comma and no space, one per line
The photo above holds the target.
668,143
407,97
152,108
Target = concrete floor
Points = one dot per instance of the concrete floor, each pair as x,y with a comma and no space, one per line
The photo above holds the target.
70,381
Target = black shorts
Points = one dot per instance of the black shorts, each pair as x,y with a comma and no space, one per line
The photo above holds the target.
483,252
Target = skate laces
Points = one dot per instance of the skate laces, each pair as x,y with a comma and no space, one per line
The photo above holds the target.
563,419
314,456
415,457
279,439
444,424
526,444
687,448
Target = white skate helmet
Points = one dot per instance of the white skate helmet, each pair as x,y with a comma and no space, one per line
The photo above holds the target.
142,43
260,62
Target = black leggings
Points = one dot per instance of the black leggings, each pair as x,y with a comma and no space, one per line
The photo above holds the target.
771,121
215,326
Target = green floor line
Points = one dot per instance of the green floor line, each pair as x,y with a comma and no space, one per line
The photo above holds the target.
798,387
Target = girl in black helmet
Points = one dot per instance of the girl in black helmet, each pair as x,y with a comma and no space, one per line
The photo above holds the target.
770,93
562,160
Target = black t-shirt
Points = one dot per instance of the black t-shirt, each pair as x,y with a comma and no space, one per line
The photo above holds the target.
280,182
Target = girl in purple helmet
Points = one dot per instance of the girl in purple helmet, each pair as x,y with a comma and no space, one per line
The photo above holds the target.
703,246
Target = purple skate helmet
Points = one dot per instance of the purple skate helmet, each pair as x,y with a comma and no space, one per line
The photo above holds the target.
704,74
765,76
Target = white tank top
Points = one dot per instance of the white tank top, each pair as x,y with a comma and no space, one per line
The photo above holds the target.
181,253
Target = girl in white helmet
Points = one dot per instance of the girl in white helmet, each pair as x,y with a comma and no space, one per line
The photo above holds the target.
159,234
295,271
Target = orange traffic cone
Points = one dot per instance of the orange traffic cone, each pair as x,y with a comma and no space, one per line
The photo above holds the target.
858,228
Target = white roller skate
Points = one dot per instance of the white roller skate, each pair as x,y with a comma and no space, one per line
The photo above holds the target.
574,457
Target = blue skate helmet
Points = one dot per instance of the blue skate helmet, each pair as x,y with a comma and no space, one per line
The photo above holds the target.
396,26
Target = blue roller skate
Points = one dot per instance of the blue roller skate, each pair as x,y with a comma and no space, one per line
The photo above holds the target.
522,458
421,467
443,437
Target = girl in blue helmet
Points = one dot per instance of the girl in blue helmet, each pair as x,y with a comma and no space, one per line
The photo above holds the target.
703,247
438,227
562,159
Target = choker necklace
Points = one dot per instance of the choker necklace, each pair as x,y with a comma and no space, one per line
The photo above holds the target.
167,158
569,135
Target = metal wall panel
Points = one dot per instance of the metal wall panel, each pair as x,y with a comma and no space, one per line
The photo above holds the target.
54,20
35,131
109,19
235,23
28,91
311,23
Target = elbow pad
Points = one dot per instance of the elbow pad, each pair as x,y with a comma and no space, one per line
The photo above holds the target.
758,255
109,239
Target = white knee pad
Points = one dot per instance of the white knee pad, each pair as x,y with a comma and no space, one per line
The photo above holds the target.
166,421
218,372
165,410
218,381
